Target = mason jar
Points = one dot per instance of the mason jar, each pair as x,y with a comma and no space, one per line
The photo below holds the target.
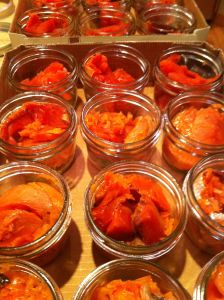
204,62
181,149
25,66
139,5
119,57
203,228
143,138
105,21
174,197
129,269
71,7
206,287
21,278
17,180
55,23
165,19
58,153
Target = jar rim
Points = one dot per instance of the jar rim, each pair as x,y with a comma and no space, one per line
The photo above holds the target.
34,98
105,97
65,211
119,48
36,53
44,12
197,97
119,248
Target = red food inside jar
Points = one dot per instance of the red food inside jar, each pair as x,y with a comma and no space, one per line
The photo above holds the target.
120,28
174,70
132,208
211,198
20,284
27,212
215,287
53,3
52,24
138,289
118,127
34,123
99,69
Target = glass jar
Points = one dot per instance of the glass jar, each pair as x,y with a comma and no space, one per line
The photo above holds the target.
71,7
57,153
105,21
174,197
128,269
102,152
139,5
29,63
180,150
93,4
165,19
44,23
19,176
26,279
119,57
205,232
204,285
204,62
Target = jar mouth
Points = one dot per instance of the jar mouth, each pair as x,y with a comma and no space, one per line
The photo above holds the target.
206,61
15,168
40,97
188,186
192,98
129,54
24,58
33,270
171,16
133,99
122,4
120,248
45,14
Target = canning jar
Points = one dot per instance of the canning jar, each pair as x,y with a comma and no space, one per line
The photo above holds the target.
71,7
184,68
118,58
135,127
127,185
105,21
24,279
139,5
120,4
130,269
38,127
203,187
35,202
165,19
41,22
193,128
46,69
209,283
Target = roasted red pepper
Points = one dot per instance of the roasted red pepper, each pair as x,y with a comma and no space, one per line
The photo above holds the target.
215,287
128,210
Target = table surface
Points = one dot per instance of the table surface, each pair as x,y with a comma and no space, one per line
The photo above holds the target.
80,255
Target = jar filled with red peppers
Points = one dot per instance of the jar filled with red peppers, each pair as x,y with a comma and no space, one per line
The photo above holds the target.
120,125
165,19
44,23
35,212
193,128
71,7
112,67
184,68
44,69
106,21
204,190
135,210
38,127
130,279
209,285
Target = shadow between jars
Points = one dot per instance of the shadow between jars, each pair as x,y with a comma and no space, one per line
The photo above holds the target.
68,259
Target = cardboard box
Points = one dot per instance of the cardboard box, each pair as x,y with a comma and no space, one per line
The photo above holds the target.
200,33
